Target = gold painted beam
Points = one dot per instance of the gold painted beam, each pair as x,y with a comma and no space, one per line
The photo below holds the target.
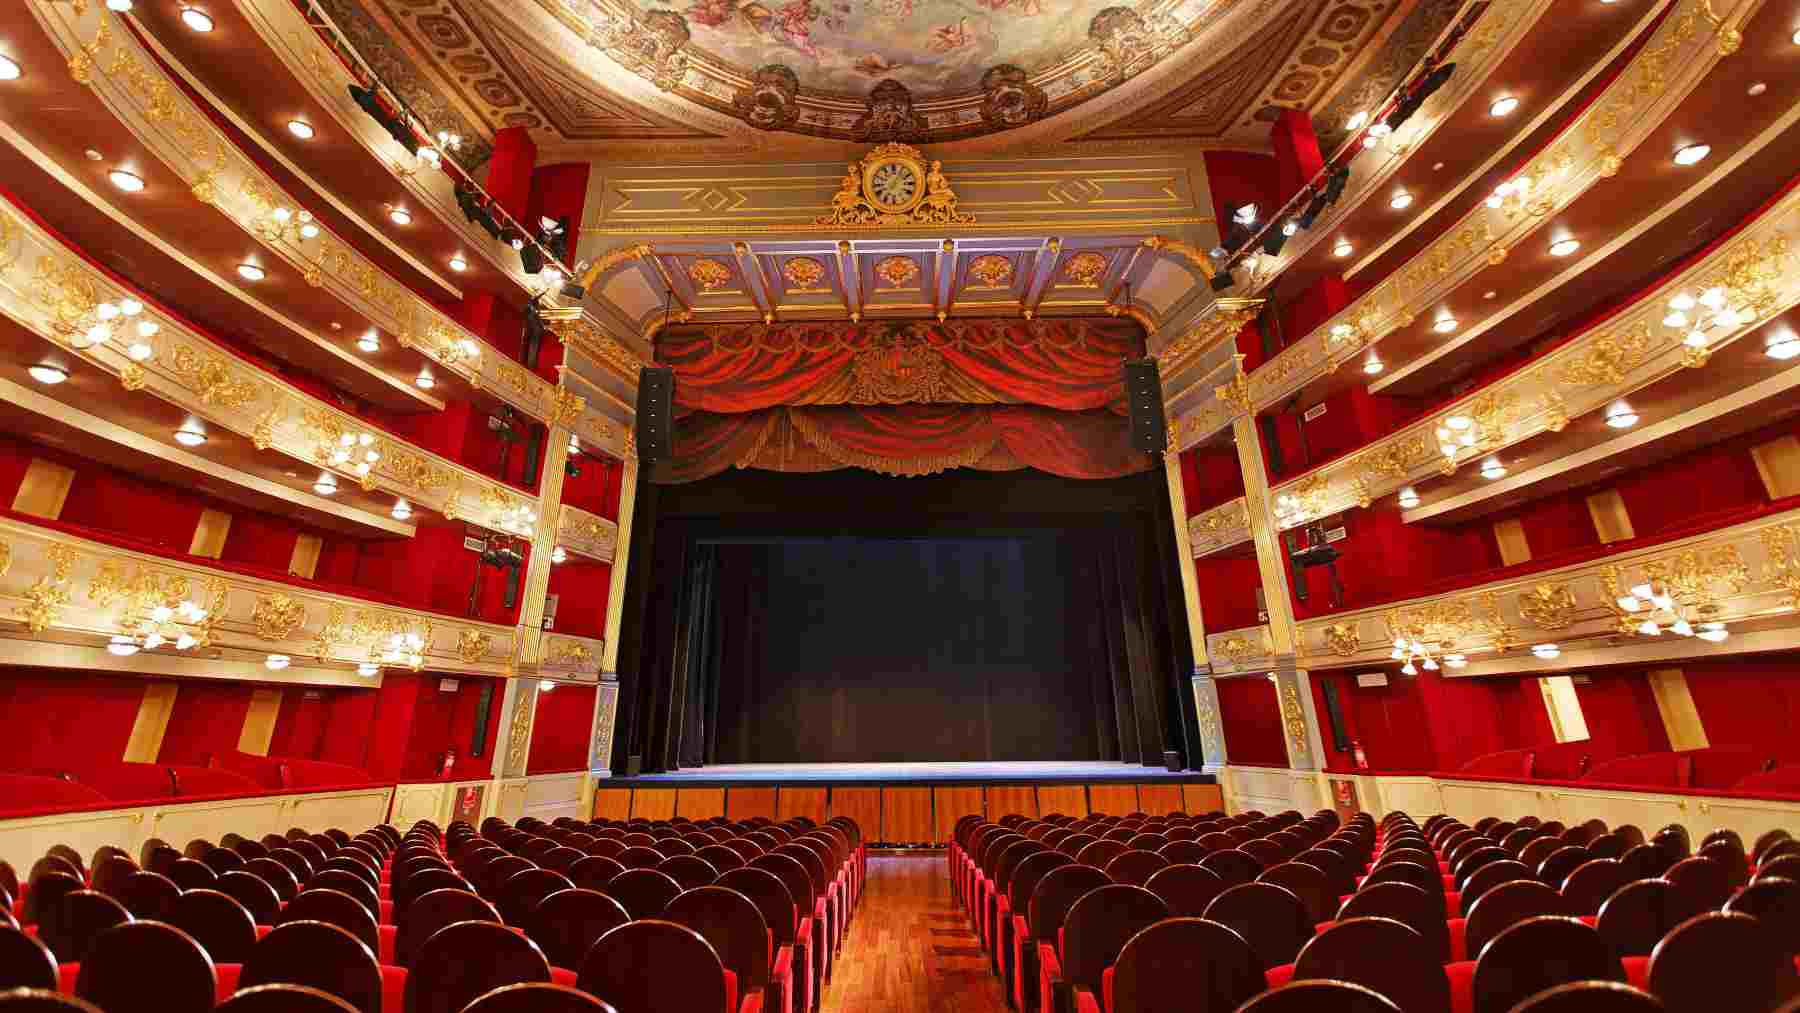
1184,555
587,534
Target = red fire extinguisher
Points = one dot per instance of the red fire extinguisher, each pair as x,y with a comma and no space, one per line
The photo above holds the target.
1362,758
448,764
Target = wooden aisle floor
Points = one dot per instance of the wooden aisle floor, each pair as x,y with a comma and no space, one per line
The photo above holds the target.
910,949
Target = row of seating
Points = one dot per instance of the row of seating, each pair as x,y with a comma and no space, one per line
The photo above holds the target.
1142,915
673,902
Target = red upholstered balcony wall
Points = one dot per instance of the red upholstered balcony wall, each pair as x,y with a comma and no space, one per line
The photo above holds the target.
560,732
59,720
1250,717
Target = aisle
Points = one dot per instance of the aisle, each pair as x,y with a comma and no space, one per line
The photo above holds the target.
910,950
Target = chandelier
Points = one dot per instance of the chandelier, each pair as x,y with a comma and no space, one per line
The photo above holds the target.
406,649
1418,654
1655,611
177,626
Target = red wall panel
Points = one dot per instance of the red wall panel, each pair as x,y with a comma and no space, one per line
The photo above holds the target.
68,721
559,732
1749,702
1227,584
581,586
300,723
1621,714
1250,717
208,718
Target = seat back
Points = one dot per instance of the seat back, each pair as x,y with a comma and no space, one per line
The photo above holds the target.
1319,997
1233,866
347,883
1507,905
567,922
1591,884
1591,997
721,858
465,960
594,872
769,896
691,871
257,896
1721,960
1408,905
433,911
521,891
1099,924
1536,954
1382,954
735,927
70,926
147,967
1179,965
1135,867
1491,875
322,956
1775,901
535,997
1270,918
333,908
1026,875
25,962
281,998
643,892
1700,884
1186,889
651,965
1306,882
1636,917
1056,892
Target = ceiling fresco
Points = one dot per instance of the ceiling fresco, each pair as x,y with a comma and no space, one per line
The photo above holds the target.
694,75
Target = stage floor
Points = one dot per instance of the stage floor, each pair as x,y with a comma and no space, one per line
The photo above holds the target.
1024,772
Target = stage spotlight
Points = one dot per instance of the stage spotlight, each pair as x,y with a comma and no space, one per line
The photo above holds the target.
554,234
1415,98
574,289
1275,239
1222,281
530,255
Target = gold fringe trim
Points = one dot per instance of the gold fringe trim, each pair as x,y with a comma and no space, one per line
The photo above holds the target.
904,467
762,440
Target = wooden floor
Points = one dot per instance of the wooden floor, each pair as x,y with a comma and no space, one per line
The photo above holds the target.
910,949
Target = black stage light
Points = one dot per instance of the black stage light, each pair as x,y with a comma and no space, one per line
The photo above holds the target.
1427,86
1275,239
532,257
1222,281
1334,187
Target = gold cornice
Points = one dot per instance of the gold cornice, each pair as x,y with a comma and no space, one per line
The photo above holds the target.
61,588
1219,327
1589,149
579,330
571,657
59,297
1744,571
1219,528
1241,650
587,534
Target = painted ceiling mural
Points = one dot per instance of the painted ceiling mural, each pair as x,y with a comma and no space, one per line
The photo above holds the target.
869,71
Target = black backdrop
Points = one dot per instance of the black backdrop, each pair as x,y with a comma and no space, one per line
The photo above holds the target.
851,617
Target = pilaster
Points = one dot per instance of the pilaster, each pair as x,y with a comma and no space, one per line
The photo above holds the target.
1184,553
1271,561
536,585
1212,732
615,597
512,748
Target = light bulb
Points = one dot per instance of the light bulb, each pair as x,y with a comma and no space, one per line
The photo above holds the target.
1662,601
1459,422
402,510
425,381
1503,106
1627,603
400,216
1713,298
368,669
545,685
1444,325
1649,628
1692,153
9,71
1682,302
189,437
325,486
369,343
1492,469
196,19
1546,651
1564,247
1408,669
1408,498
1400,201
1681,628
1713,636
47,374
283,215
1358,121
1288,228
1645,591
1455,660
162,614
124,647
95,335
1342,249
106,311
309,231
129,182
251,272
277,662
559,554
1782,345
457,263
1372,365
300,129
1620,415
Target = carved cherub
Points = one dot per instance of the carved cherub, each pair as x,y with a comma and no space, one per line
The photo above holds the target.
849,193
937,188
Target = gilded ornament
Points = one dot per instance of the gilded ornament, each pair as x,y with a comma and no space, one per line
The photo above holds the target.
992,270
1781,543
5,559
566,653
518,736
1548,606
1294,718
1208,720
277,616
893,186
262,435
67,291
1607,359
898,370
472,645
802,273
897,271
1342,639
211,378
565,406
1236,393
1195,256
600,752
51,592
708,274
1084,268
132,377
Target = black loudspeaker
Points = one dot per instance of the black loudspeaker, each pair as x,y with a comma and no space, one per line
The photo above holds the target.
1143,396
1172,759
483,702
1334,714
655,414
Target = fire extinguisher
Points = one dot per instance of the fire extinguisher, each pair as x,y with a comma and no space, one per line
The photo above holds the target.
1362,758
448,764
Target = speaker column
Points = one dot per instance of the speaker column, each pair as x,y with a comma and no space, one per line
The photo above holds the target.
655,414
1143,397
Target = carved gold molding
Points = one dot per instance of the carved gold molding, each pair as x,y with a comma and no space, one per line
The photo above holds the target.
1241,650
1681,52
60,298
1745,574
74,590
1221,527
570,656
587,534
104,56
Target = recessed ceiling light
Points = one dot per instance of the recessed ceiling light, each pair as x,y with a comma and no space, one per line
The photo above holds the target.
1546,651
369,343
47,374
1692,153
1444,325
1503,106
326,485
189,436
277,662
1342,249
1757,89
122,646
368,669
1400,201
9,71
457,263
1373,365
1782,345
196,19
1408,498
130,182
400,216
1620,415
1492,469
122,6
559,555
1564,247
301,129
402,510
251,272
425,380
1357,122
1796,37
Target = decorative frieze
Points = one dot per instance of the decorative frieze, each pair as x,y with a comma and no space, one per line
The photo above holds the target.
1221,527
1242,650
571,657
73,590
587,534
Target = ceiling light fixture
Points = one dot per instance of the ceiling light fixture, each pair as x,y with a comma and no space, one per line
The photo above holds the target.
1492,469
190,435
196,19
559,555
1757,89
402,510
458,264
369,342
47,374
122,646
326,485
251,272
1357,122
368,669
1782,345
1400,201
1692,153
1444,325
9,71
425,380
277,662
300,129
545,685
1409,498
1564,247
121,6
400,216
1373,364
1546,651
1620,415
130,182
1503,106
1342,249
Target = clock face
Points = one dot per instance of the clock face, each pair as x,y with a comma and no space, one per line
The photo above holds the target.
894,186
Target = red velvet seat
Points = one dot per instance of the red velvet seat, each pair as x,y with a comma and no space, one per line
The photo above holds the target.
735,928
463,961
25,962
566,923
318,955
146,967
1380,954
1535,954
651,965
1721,961
538,998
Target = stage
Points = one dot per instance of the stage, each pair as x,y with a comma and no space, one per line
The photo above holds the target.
905,803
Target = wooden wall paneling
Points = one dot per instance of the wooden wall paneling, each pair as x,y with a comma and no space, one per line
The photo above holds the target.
1066,799
44,490
209,534
1159,799
807,802
749,803
862,805
1113,799
305,559
653,803
700,803
258,728
612,803
952,804
906,815
1004,800
1199,799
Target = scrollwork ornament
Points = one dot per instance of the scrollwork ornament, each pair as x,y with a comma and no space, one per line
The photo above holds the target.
277,616
50,593
472,645
1343,639
1548,606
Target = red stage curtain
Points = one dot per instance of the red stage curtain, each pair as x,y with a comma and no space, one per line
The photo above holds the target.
905,440
1073,365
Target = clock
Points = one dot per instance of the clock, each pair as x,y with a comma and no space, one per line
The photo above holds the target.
894,184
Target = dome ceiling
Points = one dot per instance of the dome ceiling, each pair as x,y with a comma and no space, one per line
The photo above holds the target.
686,76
